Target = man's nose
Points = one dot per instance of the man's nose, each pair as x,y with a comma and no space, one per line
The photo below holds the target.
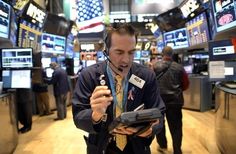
126,58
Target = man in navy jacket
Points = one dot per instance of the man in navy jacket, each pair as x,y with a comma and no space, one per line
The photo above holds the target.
60,89
95,98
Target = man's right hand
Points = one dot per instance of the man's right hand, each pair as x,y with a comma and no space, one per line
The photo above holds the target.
101,98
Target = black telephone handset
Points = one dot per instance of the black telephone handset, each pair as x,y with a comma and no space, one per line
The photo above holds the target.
141,120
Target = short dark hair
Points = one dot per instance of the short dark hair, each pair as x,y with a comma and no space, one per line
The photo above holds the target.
167,51
121,29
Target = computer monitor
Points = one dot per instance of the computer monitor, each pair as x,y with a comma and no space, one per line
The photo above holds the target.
176,39
5,14
17,57
16,79
188,69
46,62
49,72
222,50
90,62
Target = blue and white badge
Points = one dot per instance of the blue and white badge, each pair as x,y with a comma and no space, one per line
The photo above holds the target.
137,81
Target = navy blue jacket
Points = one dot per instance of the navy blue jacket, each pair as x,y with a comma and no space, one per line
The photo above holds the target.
82,113
60,82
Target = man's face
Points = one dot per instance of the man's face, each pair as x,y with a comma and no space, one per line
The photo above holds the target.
121,52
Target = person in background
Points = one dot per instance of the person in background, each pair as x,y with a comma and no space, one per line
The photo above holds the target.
172,83
60,88
24,109
97,100
42,98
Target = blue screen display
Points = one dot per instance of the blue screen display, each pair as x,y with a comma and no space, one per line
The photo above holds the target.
176,39
197,30
53,43
224,13
5,10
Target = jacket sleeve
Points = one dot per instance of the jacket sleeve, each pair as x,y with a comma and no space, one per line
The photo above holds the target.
81,110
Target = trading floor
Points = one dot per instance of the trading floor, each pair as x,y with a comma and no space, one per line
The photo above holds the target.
62,137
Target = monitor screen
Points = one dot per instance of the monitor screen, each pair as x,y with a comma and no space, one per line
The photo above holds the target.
188,69
176,39
190,8
34,14
145,54
137,61
61,61
224,14
28,35
17,58
137,55
160,43
53,43
197,30
16,78
87,47
170,20
57,25
46,62
90,62
5,11
49,72
14,28
222,50
100,56
70,46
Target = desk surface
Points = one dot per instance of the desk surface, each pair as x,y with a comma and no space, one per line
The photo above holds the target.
228,90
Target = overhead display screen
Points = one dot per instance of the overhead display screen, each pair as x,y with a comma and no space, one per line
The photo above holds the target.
17,58
225,14
190,8
5,10
16,78
176,39
222,50
53,43
197,30
34,14
29,35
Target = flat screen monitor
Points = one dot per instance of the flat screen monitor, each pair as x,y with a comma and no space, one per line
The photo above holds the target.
222,50
49,72
137,61
190,8
160,43
14,28
100,56
197,30
145,54
53,43
188,69
76,62
90,62
137,54
224,13
28,34
70,46
17,57
176,39
170,20
16,78
87,47
46,62
5,11
61,61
